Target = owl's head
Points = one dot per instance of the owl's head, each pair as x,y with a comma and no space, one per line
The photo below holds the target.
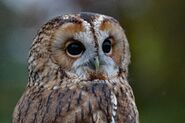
88,45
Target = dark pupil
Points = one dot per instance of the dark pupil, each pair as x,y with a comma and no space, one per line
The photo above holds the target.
106,46
75,48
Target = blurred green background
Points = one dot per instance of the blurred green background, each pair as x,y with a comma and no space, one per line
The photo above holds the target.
156,33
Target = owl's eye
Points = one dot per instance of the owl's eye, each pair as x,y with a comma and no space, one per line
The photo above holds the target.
75,49
107,46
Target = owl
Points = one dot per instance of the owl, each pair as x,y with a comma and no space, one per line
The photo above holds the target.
78,67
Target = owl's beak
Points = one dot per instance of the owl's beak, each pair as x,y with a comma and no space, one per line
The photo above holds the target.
97,63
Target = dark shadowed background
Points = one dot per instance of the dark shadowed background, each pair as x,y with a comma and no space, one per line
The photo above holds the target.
156,33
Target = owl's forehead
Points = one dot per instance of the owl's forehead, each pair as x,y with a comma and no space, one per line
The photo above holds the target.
88,21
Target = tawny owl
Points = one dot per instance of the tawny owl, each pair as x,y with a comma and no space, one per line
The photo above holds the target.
78,66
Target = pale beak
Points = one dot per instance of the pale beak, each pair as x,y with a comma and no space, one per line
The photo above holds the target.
97,63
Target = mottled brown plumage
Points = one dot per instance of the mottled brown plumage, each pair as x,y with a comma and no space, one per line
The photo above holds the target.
78,66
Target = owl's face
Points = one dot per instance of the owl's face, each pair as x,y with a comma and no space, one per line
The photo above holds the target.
91,46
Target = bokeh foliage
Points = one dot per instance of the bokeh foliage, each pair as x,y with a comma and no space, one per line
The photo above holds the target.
156,33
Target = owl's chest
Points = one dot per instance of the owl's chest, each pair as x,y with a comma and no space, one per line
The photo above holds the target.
95,103
67,105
